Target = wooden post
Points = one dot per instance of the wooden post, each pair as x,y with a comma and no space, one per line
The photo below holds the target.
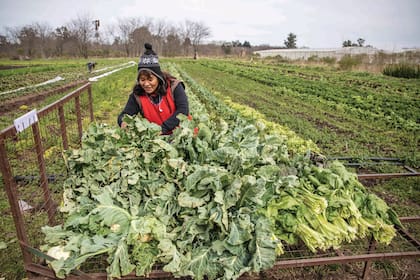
63,127
79,116
49,204
11,191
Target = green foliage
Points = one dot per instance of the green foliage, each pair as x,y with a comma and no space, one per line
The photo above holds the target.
201,201
347,62
290,42
402,70
141,185
234,154
334,109
128,187
329,60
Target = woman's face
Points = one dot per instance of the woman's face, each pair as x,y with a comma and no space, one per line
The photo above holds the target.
148,82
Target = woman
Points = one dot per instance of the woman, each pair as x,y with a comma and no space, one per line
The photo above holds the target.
157,96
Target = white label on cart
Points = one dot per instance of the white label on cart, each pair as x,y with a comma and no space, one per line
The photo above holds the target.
26,120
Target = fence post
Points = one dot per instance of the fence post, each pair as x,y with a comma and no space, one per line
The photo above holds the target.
63,127
79,116
49,204
11,191
90,102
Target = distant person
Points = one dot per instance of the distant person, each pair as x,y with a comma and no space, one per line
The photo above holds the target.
157,96
91,66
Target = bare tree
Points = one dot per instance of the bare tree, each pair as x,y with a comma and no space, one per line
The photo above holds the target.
12,33
5,46
132,33
139,37
185,36
173,42
83,30
125,27
159,31
28,36
44,31
197,31
62,36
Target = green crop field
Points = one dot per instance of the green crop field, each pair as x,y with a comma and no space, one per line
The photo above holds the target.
335,113
344,113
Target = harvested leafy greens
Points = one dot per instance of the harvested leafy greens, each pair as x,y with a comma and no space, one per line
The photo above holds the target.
211,205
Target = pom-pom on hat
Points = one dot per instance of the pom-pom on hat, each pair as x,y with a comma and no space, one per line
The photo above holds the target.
150,61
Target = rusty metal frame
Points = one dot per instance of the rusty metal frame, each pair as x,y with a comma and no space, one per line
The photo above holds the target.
367,257
10,184
340,258
412,173
377,160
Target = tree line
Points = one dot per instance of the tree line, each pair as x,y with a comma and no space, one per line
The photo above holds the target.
84,37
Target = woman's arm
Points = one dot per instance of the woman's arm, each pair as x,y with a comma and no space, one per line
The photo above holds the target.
131,108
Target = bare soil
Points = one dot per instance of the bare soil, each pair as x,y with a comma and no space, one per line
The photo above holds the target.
14,103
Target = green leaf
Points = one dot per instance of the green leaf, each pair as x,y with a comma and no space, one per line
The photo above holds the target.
252,192
186,200
238,235
120,261
144,256
110,213
264,254
202,264
235,265
171,256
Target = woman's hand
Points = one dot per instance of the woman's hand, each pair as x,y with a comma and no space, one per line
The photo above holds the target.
123,125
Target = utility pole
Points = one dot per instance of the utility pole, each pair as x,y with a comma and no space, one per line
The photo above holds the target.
96,23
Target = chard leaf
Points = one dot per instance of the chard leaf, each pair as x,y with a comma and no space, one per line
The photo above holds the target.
232,193
185,200
144,256
263,247
235,265
252,192
55,234
171,256
120,261
109,213
202,264
238,235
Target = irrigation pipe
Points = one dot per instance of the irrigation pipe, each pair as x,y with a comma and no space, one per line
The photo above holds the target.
96,78
56,79
112,67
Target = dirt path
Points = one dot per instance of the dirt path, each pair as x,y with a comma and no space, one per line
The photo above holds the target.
12,104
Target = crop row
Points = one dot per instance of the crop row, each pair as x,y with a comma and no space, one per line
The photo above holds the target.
398,109
337,127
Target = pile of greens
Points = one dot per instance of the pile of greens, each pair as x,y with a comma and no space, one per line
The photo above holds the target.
210,205
215,204
141,200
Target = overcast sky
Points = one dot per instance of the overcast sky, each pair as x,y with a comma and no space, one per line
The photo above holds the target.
385,24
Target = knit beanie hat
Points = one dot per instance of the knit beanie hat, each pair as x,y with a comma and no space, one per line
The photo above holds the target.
150,61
